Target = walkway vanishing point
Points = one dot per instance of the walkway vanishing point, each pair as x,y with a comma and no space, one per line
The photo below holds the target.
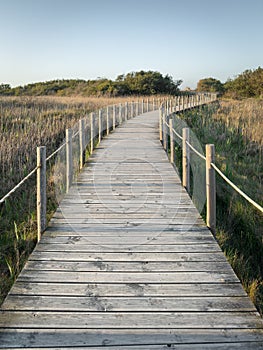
127,263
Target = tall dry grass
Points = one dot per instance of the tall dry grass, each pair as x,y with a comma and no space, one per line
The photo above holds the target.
25,123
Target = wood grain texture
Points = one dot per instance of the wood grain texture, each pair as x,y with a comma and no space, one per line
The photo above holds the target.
128,263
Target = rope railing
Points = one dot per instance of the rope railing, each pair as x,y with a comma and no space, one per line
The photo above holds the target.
55,152
200,155
176,133
256,205
167,129
92,127
2,200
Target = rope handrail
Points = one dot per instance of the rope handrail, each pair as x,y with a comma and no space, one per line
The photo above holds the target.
195,151
56,151
18,185
28,176
76,134
178,135
236,188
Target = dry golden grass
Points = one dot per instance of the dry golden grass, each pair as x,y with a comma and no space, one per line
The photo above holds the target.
25,123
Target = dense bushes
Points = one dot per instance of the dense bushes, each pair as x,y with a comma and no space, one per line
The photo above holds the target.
245,85
135,83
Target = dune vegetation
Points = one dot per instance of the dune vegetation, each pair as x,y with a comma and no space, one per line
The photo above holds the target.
235,128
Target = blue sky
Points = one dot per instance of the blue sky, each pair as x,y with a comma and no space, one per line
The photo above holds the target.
42,40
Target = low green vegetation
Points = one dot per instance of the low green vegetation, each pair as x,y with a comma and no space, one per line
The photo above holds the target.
234,127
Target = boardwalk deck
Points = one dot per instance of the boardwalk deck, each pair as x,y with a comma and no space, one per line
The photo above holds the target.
127,263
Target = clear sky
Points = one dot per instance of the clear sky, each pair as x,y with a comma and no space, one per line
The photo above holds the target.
43,40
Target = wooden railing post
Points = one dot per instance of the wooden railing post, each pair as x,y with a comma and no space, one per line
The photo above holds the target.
126,111
142,106
114,117
41,191
171,140
91,132
165,132
186,159
100,125
132,109
161,123
210,188
120,113
107,121
81,143
69,163
137,108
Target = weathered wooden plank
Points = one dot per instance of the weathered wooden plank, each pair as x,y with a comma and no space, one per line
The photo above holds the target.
168,237
55,339
135,216
123,247
79,229
129,289
128,277
122,304
131,266
221,346
131,320
132,256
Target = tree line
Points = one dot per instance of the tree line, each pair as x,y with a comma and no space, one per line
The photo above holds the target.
245,85
134,83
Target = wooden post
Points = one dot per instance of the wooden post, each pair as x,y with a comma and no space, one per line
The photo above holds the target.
91,132
81,143
171,140
147,105
69,162
107,121
137,108
41,191
120,113
126,111
186,160
153,104
165,145
100,126
161,123
142,106
210,188
132,109
114,117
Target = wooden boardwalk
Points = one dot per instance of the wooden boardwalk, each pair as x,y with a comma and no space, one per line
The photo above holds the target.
127,263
